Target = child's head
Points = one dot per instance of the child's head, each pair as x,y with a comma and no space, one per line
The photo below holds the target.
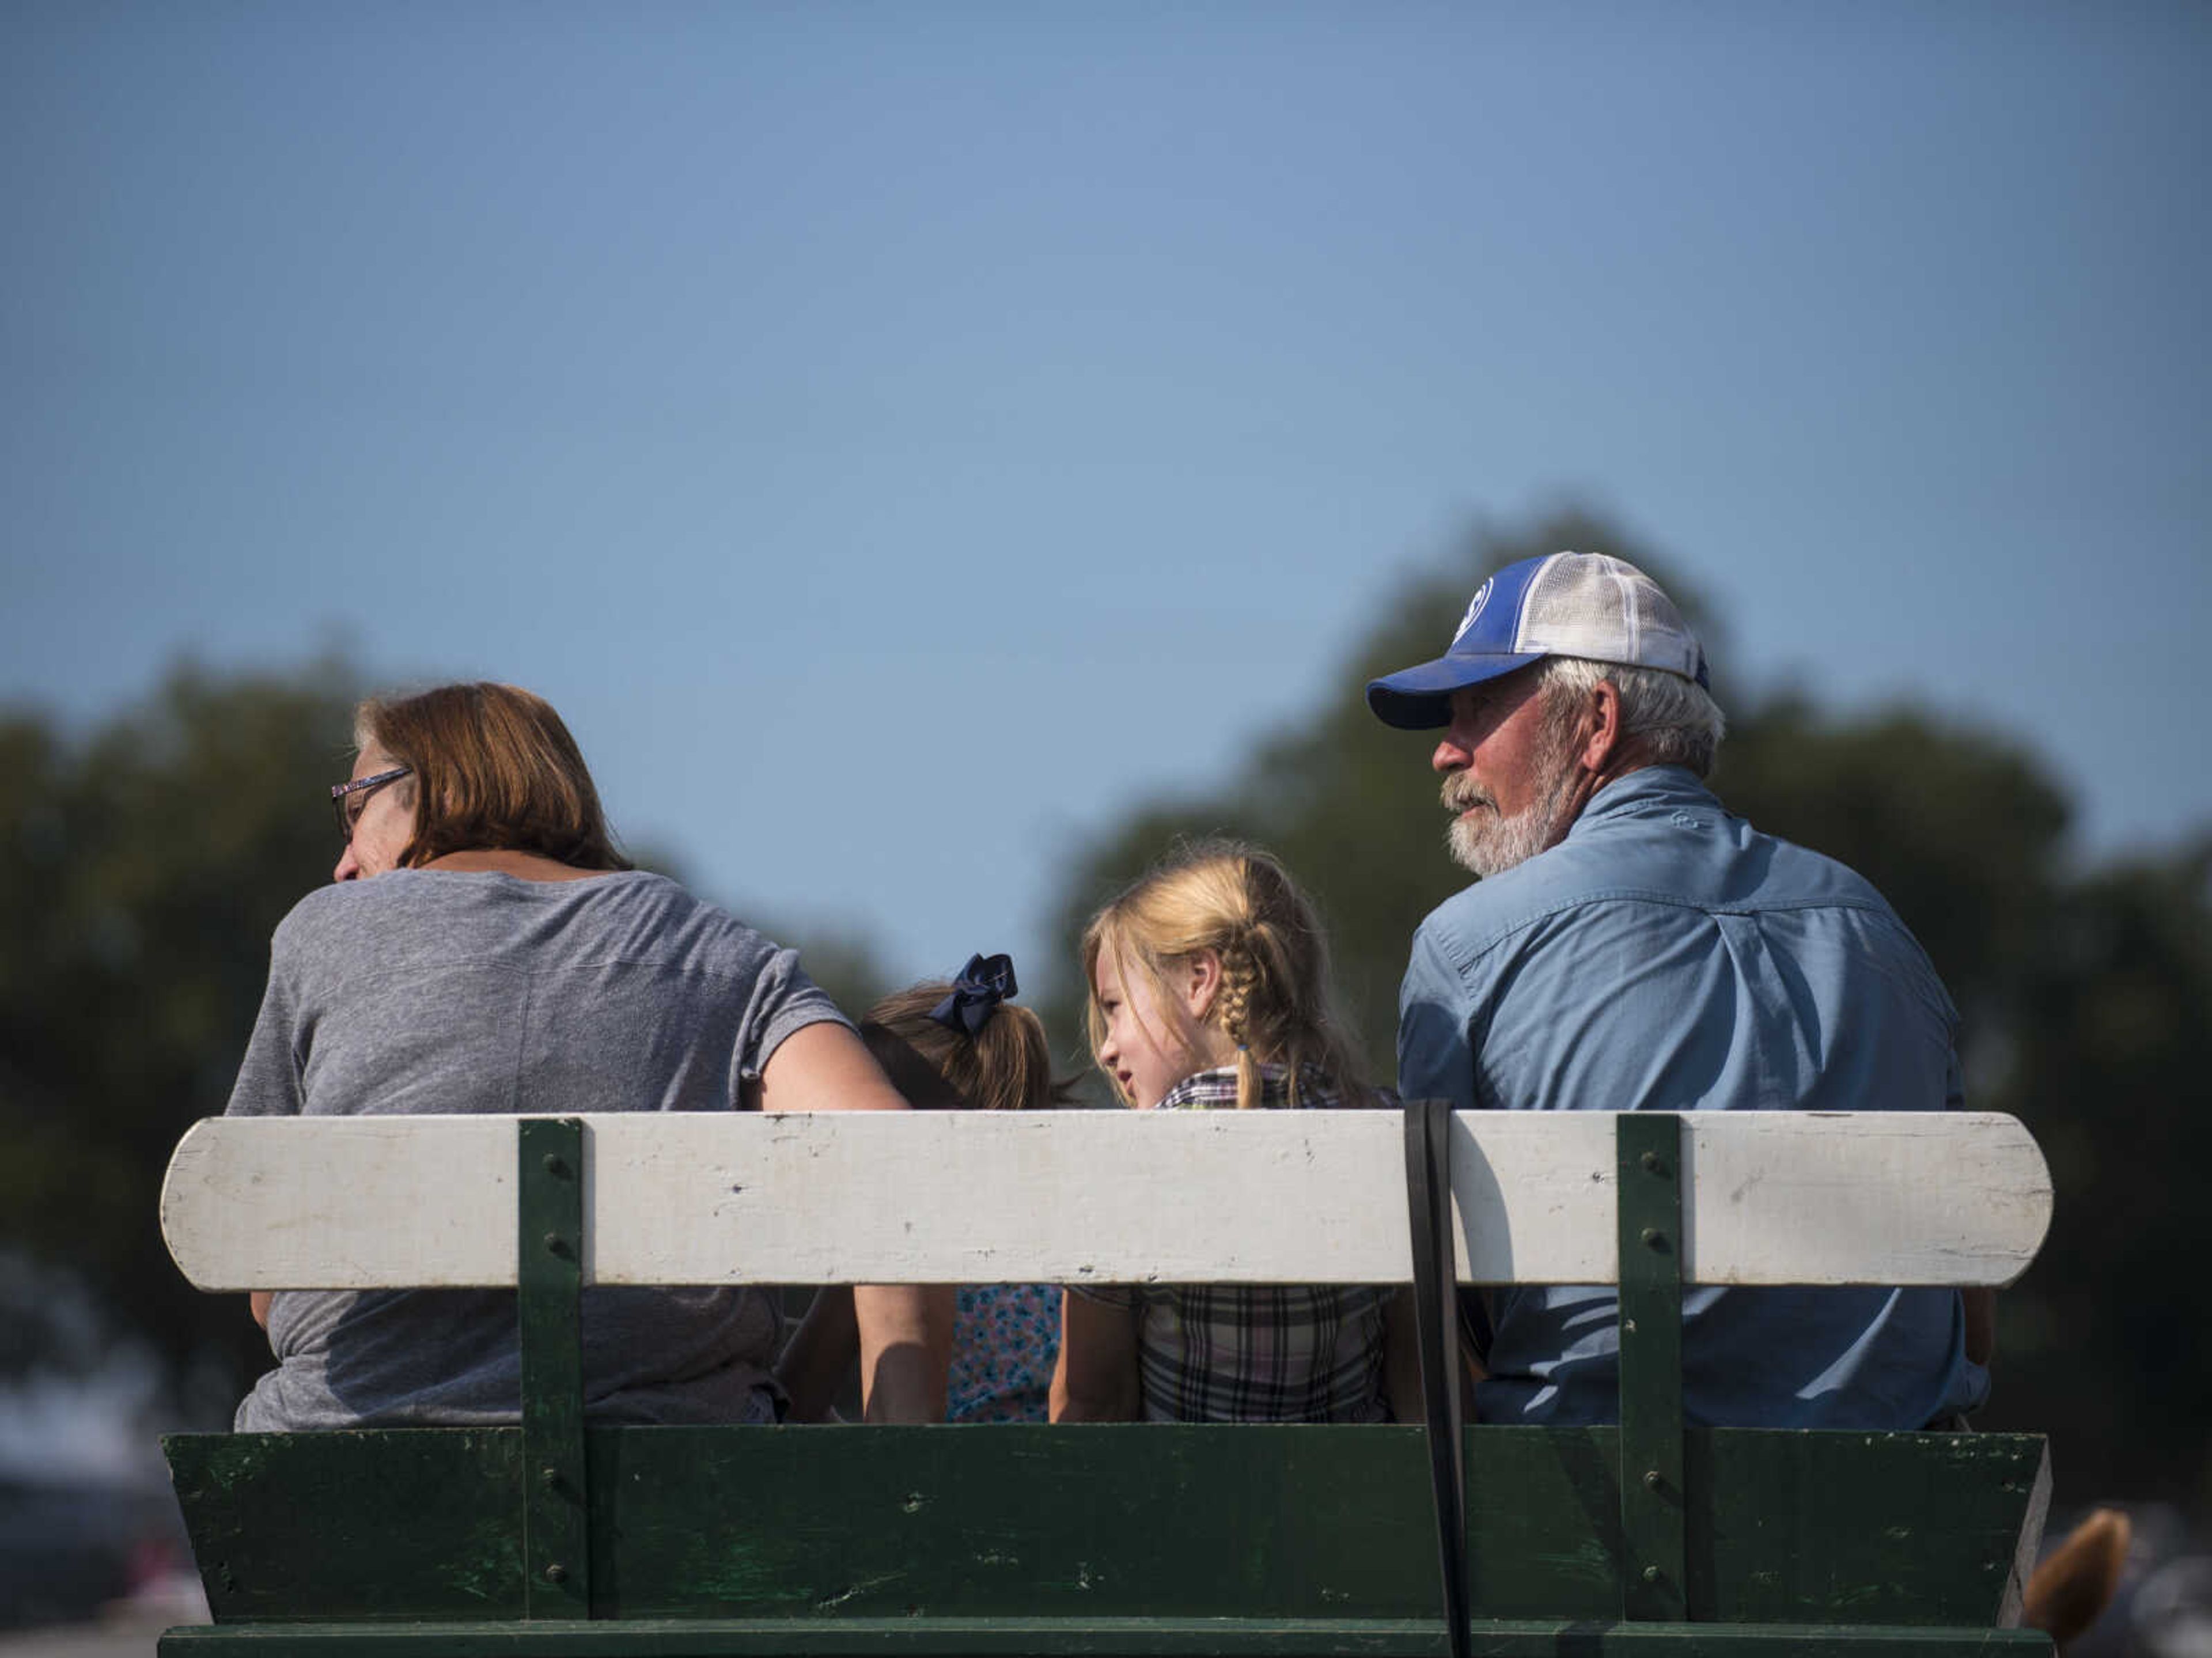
1003,1064
1215,957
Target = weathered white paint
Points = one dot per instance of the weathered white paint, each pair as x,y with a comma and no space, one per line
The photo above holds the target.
1308,1197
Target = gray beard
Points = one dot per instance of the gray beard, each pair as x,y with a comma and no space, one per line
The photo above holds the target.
1491,846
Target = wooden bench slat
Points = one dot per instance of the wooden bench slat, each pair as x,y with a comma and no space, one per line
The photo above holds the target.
1308,1197
1132,1637
1104,1524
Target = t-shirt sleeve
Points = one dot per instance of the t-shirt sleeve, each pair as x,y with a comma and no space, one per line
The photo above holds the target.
1434,1060
270,1080
784,999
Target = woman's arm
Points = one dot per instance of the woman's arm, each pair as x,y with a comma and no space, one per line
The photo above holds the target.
904,1330
825,1068
269,1078
1096,1380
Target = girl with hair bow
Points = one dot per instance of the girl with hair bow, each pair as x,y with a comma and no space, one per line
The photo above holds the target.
952,1046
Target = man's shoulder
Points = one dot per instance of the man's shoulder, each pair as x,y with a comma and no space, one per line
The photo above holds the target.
1567,876
1497,903
1659,840
1770,872
1479,923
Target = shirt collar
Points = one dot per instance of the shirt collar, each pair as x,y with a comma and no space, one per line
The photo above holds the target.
1642,791
1206,1091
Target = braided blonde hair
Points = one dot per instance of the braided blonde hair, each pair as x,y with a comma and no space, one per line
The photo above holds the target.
1274,1002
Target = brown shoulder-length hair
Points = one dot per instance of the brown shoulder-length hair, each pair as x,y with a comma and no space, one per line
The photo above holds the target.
495,770
1005,1067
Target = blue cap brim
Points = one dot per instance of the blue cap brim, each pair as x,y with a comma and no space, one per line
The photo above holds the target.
1419,698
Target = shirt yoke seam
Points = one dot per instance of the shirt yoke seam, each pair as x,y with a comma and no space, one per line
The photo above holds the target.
1464,961
411,972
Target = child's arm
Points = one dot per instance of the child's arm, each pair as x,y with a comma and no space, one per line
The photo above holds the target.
906,1348
813,1363
1096,1380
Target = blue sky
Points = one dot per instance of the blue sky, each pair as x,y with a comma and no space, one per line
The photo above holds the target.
901,438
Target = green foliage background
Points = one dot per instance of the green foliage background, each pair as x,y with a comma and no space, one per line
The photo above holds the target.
143,866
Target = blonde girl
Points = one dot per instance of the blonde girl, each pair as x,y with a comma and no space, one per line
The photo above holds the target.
952,1046
1209,990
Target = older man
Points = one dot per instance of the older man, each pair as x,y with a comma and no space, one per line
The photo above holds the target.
1631,946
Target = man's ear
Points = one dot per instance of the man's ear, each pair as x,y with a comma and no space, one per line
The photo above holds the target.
1198,978
1600,729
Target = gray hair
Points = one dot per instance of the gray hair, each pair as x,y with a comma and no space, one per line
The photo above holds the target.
1675,721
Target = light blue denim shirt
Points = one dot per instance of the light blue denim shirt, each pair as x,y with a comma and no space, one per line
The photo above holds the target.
1667,956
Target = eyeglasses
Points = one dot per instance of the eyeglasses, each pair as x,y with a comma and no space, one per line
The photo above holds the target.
350,800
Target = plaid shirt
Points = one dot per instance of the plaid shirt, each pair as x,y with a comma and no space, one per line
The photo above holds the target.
1244,1353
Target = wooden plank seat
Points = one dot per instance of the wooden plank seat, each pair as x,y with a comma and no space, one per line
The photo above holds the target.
558,1537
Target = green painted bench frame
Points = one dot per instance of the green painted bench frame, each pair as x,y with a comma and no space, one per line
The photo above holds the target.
556,1538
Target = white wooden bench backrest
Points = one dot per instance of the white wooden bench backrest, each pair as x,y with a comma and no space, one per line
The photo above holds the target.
1308,1197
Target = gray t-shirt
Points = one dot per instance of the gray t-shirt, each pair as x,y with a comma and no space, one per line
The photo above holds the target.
428,991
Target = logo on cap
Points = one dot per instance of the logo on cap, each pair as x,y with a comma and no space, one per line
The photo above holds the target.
1473,610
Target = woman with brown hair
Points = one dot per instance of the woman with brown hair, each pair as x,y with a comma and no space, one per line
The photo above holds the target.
487,949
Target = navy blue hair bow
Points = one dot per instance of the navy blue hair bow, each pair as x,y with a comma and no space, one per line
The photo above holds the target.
985,983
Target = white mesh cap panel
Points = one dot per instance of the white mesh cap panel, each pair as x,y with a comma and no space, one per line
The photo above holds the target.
1597,606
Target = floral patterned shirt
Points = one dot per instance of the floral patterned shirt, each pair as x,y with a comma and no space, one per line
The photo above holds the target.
1005,1341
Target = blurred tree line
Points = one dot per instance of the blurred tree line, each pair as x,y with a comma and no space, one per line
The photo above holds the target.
143,866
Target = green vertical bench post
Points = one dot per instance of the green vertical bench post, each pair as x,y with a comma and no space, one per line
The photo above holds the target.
1654,1578
549,1254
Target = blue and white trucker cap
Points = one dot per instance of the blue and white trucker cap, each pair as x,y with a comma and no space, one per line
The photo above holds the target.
1585,604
